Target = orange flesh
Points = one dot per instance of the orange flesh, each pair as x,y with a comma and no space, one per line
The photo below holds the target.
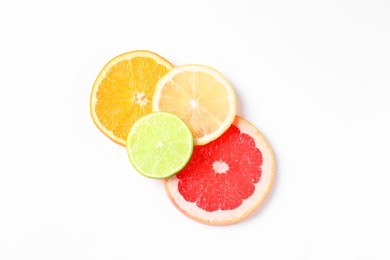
125,93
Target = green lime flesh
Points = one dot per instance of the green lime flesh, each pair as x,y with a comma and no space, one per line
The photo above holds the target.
159,145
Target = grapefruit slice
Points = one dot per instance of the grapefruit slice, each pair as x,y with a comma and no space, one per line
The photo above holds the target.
201,96
227,179
123,90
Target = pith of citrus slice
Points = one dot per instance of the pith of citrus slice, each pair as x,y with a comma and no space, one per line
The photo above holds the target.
123,91
159,145
201,96
227,179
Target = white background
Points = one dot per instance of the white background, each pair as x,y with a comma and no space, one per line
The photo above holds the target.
313,76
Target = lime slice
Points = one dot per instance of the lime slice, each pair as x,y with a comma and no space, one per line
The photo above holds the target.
159,145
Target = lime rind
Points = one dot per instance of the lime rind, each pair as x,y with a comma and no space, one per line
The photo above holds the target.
159,145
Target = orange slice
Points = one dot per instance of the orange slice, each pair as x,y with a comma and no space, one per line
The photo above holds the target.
201,96
122,92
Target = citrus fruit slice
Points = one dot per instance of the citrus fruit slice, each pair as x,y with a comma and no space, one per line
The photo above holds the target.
225,180
159,145
201,96
123,91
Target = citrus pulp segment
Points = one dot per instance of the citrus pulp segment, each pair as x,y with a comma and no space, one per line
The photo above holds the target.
227,179
123,91
201,96
159,145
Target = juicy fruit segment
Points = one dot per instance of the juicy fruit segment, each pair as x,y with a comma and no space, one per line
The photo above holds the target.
230,181
226,179
201,96
122,93
159,145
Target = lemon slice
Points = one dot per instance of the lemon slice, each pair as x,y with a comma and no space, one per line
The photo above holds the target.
201,96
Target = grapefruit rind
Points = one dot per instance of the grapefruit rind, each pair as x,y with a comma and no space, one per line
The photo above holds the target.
93,97
223,126
226,217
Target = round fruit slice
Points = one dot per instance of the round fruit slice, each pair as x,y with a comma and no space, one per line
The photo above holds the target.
159,145
123,91
225,180
201,96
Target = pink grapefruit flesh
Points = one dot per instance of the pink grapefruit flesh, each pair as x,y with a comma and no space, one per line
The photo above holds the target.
227,179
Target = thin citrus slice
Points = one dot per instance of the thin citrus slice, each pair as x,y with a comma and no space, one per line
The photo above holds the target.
225,180
159,145
201,96
123,91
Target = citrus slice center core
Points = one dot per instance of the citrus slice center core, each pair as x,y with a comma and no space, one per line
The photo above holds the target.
140,99
220,167
194,103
